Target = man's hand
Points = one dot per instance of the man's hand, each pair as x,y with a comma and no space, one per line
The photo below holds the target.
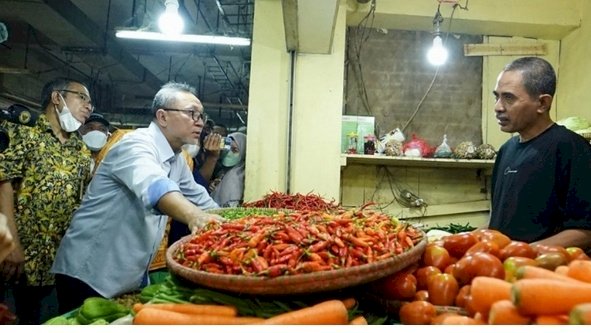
6,240
203,219
13,266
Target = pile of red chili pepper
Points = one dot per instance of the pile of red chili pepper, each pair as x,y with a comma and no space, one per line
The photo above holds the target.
296,201
296,243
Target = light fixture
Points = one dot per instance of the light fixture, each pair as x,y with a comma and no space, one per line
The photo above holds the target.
437,54
183,38
170,22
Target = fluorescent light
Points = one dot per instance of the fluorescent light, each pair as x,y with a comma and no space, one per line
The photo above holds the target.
184,38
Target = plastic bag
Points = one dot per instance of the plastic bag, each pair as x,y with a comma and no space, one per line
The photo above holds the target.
443,150
416,147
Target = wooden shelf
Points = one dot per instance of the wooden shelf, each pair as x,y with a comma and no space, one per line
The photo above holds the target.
347,159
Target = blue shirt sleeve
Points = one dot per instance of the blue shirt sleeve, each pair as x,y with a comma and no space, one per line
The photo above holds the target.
159,188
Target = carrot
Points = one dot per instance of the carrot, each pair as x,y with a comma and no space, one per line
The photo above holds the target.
562,270
548,297
154,316
551,319
359,320
188,308
438,319
503,312
460,320
580,314
580,270
349,303
533,272
331,312
487,290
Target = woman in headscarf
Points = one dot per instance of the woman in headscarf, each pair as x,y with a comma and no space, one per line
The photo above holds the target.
230,190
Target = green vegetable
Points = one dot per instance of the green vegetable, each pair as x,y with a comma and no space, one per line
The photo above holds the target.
453,228
60,320
574,123
95,308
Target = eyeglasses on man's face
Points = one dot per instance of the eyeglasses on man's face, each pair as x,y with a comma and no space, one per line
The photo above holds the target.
195,115
85,98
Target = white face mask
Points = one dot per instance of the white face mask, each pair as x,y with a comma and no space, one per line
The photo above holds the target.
67,120
191,149
95,140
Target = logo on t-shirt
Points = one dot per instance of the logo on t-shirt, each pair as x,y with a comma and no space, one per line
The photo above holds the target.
509,170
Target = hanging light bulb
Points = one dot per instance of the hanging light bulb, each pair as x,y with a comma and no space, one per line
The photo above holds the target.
437,54
170,22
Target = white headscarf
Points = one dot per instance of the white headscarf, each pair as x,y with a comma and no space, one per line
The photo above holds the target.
230,190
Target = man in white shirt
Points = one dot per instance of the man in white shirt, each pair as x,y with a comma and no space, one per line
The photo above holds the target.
142,181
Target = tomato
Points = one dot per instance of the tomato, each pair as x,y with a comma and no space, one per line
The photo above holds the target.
449,269
517,249
541,249
576,253
458,244
462,296
422,295
511,265
422,274
443,289
437,256
551,260
486,246
492,235
399,286
478,264
417,313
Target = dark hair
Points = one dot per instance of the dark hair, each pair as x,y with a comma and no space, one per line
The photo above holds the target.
57,84
167,93
538,75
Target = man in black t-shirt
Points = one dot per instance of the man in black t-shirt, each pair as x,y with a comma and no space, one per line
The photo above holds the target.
541,183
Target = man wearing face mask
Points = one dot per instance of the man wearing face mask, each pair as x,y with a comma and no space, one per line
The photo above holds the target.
42,176
95,133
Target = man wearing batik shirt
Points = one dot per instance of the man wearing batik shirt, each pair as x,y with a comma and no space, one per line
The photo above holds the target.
42,176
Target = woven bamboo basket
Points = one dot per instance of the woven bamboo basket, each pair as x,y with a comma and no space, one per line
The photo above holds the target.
296,284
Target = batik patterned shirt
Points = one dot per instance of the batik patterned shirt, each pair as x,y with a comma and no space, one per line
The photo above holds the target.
49,179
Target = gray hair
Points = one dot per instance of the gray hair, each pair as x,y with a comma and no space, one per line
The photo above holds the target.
57,84
167,94
538,75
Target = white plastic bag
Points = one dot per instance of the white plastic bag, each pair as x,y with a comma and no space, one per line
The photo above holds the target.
443,150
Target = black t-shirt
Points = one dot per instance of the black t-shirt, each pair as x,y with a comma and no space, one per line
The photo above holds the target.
542,186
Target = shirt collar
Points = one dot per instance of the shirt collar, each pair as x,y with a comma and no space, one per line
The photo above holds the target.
164,149
74,139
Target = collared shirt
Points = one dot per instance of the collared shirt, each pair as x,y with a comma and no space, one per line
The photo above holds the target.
48,178
117,230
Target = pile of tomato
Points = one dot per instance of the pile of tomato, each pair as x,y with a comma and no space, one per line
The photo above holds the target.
448,266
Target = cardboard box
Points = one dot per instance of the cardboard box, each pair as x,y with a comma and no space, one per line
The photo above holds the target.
362,125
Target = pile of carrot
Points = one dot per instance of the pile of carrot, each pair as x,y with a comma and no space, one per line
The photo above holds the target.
296,201
331,312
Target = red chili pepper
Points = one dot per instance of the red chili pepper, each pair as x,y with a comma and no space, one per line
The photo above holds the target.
319,246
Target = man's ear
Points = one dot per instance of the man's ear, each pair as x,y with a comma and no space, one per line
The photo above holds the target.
55,98
162,118
545,102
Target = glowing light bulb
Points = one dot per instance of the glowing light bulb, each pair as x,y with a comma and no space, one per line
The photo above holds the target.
437,54
170,22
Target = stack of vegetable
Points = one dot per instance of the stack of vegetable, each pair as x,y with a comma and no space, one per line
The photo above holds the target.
94,311
296,201
495,280
296,243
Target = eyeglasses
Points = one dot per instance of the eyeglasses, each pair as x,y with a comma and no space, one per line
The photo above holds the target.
85,98
195,115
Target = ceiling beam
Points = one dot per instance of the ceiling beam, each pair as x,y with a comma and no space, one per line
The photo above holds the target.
544,19
73,15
